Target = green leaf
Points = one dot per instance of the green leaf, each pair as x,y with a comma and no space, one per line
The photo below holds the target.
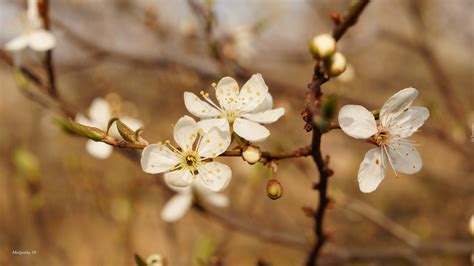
92,133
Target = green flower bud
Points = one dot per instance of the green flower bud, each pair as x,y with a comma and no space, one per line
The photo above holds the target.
323,45
274,189
337,64
251,154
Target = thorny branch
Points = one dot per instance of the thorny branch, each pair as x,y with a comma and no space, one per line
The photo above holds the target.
313,99
43,7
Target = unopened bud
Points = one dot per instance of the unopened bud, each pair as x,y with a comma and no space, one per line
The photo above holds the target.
251,154
337,65
274,189
323,45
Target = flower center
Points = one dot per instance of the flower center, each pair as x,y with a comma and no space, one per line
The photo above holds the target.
382,136
230,115
190,160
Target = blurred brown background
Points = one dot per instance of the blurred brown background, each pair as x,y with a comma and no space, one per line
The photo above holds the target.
76,210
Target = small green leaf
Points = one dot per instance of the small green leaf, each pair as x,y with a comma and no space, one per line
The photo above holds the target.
139,261
92,133
127,133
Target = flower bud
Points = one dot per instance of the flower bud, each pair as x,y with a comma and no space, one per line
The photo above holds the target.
251,154
274,189
323,45
337,65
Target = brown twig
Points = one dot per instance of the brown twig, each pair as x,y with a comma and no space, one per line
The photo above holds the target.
43,7
313,99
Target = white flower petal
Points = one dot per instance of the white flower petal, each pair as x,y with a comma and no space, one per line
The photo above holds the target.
185,132
371,170
207,124
250,130
404,156
217,199
16,44
42,40
99,150
266,105
187,189
227,93
266,117
357,122
100,113
157,158
252,94
213,143
179,178
409,121
176,207
214,176
394,106
198,107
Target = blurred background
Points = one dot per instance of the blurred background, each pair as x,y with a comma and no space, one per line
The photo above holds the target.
73,209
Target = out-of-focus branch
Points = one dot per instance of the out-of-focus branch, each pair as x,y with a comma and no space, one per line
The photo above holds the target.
36,80
453,103
378,218
43,7
312,102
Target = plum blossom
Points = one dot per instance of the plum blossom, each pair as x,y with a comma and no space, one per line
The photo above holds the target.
178,205
244,111
192,159
398,120
33,35
100,113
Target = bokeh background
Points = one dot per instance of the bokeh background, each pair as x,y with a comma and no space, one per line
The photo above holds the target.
73,209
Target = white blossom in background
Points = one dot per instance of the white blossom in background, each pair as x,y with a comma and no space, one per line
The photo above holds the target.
193,159
242,111
178,205
398,120
100,113
242,43
155,260
33,35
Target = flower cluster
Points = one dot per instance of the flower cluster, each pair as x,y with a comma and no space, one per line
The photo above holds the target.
238,113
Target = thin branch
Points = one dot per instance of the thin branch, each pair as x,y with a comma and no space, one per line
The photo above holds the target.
48,61
312,101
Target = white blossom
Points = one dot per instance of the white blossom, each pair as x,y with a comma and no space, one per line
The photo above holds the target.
178,205
192,159
100,113
155,260
244,111
33,35
398,120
